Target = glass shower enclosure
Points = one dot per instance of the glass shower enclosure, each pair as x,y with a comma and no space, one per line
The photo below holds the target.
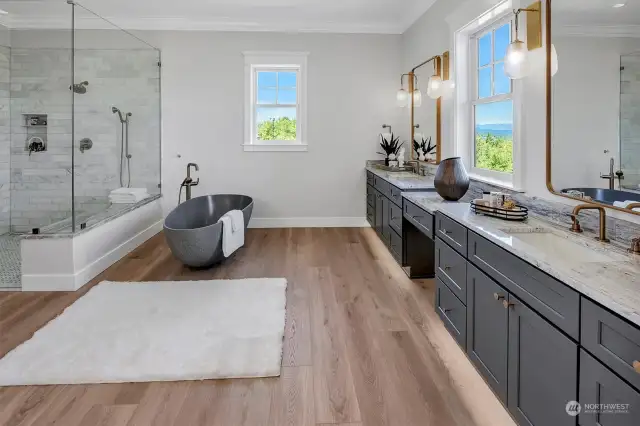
79,119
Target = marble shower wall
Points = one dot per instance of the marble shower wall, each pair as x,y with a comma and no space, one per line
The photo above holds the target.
41,182
630,121
5,141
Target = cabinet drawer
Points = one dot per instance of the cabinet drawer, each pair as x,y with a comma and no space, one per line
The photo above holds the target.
381,185
371,196
419,218
395,218
614,341
369,178
555,301
452,233
395,245
395,195
452,312
598,385
451,268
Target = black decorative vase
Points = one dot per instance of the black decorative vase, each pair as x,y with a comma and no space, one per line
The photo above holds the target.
452,180
386,161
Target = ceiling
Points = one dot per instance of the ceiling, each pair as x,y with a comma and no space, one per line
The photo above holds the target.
596,12
342,16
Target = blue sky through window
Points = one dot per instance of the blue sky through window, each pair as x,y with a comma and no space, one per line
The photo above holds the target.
277,88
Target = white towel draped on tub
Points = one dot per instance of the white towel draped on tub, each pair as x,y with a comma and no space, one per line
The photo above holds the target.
232,232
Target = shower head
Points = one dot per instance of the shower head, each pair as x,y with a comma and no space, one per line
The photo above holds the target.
115,110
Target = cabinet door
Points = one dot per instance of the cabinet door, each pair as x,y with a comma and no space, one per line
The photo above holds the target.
386,217
379,216
598,385
487,329
543,369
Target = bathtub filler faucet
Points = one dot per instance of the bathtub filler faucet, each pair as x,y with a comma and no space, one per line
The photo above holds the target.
188,182
611,177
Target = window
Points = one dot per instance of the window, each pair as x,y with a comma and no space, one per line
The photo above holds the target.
492,103
275,116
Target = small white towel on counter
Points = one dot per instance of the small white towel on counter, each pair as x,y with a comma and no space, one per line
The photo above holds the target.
624,204
128,195
232,232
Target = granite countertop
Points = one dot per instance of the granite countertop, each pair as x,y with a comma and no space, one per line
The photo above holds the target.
614,283
403,180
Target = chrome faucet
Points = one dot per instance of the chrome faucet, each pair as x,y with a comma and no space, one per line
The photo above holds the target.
611,177
575,227
415,166
188,181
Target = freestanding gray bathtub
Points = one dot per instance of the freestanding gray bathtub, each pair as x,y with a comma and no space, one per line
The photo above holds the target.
193,232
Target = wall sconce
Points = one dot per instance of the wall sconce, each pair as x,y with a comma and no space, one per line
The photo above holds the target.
434,87
516,63
518,60
403,98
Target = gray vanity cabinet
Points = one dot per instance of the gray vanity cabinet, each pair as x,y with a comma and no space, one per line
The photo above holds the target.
543,369
598,385
379,215
487,329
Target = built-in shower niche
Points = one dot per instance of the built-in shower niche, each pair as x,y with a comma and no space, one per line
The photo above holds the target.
36,138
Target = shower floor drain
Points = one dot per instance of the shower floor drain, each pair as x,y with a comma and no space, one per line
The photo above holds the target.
10,262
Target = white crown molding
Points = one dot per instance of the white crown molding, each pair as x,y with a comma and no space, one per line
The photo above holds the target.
618,31
187,24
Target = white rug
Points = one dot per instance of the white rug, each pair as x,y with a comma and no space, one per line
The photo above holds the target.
161,331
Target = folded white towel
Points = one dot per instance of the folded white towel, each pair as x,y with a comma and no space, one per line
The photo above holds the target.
232,232
127,199
624,204
129,191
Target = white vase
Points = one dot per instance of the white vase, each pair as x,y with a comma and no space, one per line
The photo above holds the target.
422,157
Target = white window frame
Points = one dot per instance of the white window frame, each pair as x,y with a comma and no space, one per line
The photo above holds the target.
466,96
275,62
474,85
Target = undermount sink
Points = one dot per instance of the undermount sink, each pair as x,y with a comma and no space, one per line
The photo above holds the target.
562,247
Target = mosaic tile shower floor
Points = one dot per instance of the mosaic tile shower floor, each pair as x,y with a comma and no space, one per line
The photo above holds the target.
10,262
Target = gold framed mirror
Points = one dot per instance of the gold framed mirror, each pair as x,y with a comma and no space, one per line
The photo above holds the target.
593,103
426,112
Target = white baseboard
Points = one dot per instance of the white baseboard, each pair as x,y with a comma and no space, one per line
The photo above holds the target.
310,222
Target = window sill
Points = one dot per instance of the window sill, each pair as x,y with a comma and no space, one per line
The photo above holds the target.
276,147
495,182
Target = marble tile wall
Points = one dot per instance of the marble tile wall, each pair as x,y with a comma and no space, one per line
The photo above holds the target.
630,121
40,79
5,141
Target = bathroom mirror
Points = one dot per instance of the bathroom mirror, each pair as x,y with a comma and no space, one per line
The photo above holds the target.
426,112
593,144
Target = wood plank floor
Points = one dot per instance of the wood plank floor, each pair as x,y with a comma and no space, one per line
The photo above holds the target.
363,346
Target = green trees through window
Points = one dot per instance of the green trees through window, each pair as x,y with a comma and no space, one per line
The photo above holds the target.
494,152
277,129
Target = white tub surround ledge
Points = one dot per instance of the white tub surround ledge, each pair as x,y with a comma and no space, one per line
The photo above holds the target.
614,283
66,262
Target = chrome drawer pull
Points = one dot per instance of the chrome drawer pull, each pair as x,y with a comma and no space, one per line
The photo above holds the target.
498,296
446,311
446,232
447,268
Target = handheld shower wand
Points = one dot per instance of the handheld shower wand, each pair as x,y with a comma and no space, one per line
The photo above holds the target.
124,147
